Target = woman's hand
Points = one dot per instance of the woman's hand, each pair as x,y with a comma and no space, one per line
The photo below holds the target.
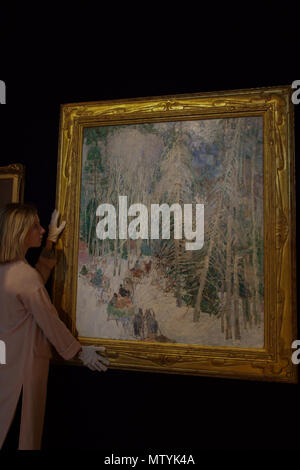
90,358
54,229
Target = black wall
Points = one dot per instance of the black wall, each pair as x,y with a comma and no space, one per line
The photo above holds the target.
122,410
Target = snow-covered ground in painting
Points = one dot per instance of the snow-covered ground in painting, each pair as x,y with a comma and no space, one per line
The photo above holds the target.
175,323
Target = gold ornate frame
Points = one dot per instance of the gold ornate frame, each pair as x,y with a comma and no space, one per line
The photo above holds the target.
16,173
273,362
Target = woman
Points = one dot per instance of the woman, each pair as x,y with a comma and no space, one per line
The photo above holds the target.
29,323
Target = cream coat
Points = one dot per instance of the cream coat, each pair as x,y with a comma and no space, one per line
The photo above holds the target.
28,324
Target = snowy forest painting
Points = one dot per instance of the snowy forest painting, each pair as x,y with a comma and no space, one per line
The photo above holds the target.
155,290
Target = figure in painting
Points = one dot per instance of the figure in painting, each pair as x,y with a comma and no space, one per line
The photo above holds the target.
151,323
138,324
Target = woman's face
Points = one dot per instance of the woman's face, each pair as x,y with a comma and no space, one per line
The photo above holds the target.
35,234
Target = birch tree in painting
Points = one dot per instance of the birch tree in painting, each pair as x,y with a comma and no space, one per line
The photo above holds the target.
228,246
175,186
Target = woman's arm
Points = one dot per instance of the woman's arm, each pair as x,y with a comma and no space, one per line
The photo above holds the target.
46,261
37,302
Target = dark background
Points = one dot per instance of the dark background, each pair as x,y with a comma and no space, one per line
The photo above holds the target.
55,57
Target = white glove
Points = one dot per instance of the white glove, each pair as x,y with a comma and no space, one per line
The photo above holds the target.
92,359
54,230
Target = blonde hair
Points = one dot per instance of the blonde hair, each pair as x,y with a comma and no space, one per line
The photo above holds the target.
15,221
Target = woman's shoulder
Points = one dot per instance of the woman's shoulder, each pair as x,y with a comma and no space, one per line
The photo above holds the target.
22,274
29,270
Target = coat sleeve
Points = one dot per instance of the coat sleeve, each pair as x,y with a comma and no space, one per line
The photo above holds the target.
39,305
45,264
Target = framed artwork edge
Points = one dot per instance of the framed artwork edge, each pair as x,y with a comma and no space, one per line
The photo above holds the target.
273,361
15,171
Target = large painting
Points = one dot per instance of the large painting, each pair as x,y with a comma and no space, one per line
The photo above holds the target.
156,289
173,232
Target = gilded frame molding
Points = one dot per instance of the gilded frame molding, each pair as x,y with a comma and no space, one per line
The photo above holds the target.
273,362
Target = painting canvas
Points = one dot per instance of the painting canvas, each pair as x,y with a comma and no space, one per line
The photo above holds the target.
178,250
6,191
156,290
12,183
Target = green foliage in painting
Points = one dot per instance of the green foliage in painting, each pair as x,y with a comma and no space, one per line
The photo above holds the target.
84,270
97,278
